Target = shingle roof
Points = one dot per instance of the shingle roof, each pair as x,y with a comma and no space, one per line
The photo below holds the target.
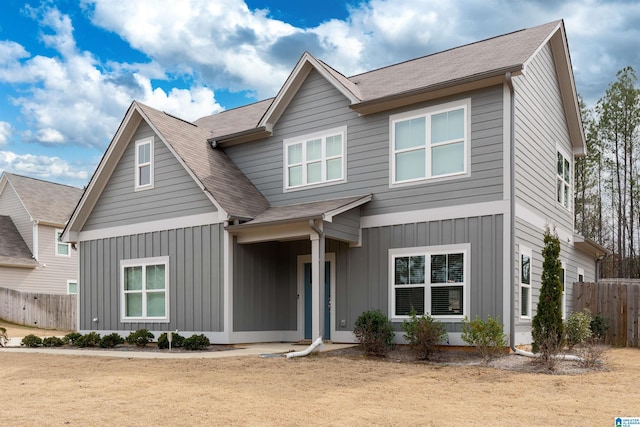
217,173
495,55
45,201
13,249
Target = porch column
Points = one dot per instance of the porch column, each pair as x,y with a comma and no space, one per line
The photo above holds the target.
317,282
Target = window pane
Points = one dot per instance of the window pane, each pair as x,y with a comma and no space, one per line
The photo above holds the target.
144,153
447,126
334,169
560,164
446,300
410,165
526,269
408,298
314,172
73,288
334,146
416,270
314,149
402,271
447,159
63,249
155,304
566,196
294,154
155,277
567,174
133,278
295,176
145,175
438,269
410,133
559,192
455,268
524,301
134,305
580,278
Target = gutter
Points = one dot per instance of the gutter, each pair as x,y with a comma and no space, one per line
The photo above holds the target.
512,213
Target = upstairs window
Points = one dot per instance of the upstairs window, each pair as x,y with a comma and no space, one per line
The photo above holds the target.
315,159
563,178
430,143
144,164
62,248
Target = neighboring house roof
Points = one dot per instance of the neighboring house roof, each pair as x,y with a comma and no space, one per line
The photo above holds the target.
14,252
418,80
46,202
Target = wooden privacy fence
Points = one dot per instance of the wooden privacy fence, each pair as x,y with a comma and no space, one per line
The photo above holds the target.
47,311
617,300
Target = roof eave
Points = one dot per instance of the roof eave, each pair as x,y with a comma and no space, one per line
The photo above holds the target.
439,90
241,137
590,246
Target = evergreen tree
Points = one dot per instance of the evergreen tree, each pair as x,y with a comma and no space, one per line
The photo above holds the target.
547,323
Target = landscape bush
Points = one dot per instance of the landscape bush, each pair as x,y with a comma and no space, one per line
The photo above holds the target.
71,338
577,328
92,339
52,342
111,340
374,332
4,338
196,342
177,340
486,336
141,337
31,341
424,335
599,326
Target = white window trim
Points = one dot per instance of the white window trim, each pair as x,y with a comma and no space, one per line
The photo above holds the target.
580,273
426,112
563,305
525,251
58,242
569,158
70,282
342,130
143,262
137,165
427,251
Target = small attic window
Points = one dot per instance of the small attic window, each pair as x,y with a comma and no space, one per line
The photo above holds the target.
144,164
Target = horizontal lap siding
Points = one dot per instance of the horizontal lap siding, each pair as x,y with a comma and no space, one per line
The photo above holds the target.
319,106
366,281
195,278
175,194
345,226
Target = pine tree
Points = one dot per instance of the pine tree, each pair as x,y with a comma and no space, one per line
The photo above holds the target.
547,323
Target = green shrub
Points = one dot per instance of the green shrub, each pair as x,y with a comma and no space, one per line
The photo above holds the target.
141,337
577,328
196,342
92,339
111,340
599,326
31,341
486,336
71,338
52,342
374,332
4,338
177,340
424,335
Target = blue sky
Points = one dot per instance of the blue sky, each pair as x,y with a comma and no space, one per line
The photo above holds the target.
69,69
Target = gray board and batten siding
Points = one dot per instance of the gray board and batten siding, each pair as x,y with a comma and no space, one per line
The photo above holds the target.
173,195
318,106
265,274
196,290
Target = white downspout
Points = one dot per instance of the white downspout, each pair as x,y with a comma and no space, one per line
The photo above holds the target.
308,350
512,213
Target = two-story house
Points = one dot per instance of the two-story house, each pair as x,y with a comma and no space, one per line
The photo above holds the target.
425,185
33,214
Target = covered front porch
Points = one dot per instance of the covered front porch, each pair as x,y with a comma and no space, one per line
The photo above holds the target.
279,260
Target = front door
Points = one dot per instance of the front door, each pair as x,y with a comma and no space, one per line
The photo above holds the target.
327,301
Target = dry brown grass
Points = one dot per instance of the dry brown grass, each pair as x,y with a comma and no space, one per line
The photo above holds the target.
343,389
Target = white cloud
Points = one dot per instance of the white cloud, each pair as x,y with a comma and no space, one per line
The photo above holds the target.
5,132
48,168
